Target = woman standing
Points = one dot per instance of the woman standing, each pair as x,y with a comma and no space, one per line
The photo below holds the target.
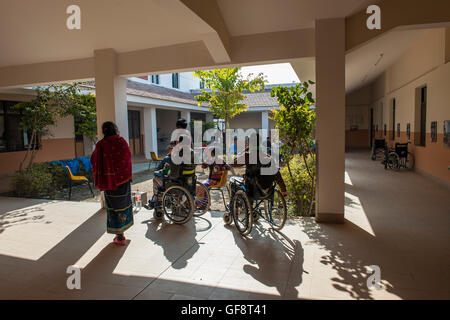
111,165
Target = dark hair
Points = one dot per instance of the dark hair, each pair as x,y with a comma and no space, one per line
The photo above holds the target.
109,128
181,123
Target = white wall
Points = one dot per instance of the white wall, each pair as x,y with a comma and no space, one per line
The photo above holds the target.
64,129
187,81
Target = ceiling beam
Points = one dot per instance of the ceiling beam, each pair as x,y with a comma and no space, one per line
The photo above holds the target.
247,50
218,39
394,14
47,72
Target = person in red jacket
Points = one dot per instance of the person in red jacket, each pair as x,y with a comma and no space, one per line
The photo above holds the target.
111,165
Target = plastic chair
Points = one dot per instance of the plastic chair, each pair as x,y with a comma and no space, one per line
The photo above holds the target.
154,159
81,179
220,187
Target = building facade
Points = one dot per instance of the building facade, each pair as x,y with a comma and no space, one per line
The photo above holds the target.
154,103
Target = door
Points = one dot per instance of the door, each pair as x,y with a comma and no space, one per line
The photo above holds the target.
134,131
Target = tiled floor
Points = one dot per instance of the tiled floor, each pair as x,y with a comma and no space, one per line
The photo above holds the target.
399,221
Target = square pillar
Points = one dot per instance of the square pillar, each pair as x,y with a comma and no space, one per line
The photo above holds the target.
330,123
185,114
265,120
110,91
150,131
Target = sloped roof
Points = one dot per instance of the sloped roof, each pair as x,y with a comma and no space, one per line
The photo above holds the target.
159,92
252,100
260,99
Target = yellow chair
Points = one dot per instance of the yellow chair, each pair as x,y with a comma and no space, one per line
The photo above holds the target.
220,187
154,159
81,179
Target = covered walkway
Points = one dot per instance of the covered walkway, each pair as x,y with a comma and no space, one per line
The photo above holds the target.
398,221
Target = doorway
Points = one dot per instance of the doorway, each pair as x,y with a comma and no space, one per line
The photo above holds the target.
134,132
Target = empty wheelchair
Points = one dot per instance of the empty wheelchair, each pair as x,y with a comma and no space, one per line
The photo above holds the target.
398,157
250,201
378,148
175,198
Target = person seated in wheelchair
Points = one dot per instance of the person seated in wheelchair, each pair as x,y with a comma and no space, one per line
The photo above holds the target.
216,171
182,174
256,184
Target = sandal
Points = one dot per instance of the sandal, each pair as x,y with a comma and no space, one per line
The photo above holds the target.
120,242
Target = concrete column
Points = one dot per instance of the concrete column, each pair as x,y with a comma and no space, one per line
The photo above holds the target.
150,133
110,90
186,115
265,120
330,125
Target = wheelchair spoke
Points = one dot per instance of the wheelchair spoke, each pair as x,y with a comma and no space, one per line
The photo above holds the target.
178,204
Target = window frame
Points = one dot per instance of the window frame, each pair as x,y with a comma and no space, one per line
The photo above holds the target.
176,80
6,147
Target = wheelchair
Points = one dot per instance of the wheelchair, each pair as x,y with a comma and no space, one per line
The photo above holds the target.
398,157
378,148
249,202
175,198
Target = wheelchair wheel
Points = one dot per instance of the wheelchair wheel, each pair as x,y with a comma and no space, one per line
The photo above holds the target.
178,204
227,218
158,214
202,199
242,212
277,211
410,161
393,161
255,215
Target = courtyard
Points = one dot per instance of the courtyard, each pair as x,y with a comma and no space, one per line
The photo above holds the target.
395,220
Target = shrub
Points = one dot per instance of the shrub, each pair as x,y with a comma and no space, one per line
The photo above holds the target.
299,182
41,180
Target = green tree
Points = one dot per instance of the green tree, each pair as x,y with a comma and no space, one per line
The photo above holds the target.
51,103
83,109
295,121
224,91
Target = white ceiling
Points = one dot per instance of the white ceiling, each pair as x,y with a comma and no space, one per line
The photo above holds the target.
245,17
35,31
363,65
360,65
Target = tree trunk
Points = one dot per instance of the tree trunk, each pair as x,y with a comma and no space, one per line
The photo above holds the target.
33,134
298,197
34,151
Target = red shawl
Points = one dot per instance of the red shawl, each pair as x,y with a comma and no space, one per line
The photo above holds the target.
111,163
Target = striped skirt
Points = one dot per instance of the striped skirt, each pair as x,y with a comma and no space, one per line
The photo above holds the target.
119,209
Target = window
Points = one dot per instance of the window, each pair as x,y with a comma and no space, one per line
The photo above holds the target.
155,79
175,80
12,137
423,116
202,84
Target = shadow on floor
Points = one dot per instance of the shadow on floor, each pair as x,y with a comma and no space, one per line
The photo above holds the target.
274,259
178,241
